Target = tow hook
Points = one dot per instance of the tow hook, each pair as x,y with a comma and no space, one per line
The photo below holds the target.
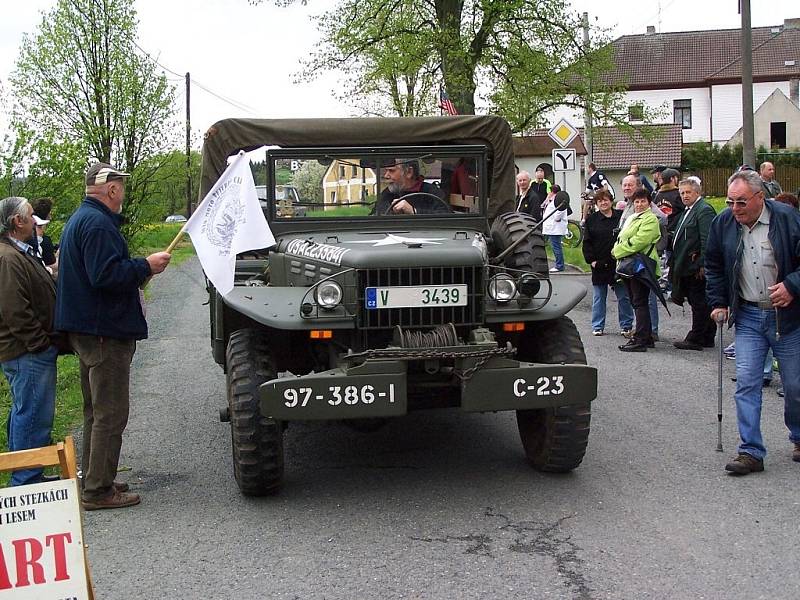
224,415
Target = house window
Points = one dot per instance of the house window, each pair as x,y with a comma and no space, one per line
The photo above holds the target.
341,171
636,112
353,171
682,110
777,135
333,197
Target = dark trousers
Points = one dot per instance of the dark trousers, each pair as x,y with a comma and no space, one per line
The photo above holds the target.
105,383
639,294
703,328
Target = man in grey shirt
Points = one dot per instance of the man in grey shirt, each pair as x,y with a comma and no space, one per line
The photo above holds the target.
753,281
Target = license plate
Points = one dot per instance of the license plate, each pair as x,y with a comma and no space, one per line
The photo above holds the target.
416,296
325,397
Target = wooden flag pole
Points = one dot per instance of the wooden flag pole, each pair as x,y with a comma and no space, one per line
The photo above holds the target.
174,242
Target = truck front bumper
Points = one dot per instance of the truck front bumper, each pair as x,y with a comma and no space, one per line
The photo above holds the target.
378,388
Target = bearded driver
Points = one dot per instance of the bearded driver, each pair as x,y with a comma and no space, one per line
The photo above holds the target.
404,180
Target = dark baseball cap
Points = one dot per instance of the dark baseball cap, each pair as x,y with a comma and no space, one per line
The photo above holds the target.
101,173
668,174
658,169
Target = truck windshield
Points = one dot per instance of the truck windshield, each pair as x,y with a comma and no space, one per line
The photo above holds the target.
399,182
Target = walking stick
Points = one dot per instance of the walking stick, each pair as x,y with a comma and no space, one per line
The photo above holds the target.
719,389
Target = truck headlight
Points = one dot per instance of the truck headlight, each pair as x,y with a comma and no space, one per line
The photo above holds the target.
328,294
502,288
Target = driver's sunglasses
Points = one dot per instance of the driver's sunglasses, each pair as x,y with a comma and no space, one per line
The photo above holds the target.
739,202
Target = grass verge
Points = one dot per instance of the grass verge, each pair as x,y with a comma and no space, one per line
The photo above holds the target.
69,400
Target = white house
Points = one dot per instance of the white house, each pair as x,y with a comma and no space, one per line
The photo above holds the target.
693,78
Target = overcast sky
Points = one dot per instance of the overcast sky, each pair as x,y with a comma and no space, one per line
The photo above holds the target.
248,54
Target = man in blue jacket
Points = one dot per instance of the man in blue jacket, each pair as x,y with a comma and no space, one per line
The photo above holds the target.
752,269
98,303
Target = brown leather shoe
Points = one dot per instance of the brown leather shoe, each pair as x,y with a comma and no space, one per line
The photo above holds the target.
745,464
796,452
114,500
121,486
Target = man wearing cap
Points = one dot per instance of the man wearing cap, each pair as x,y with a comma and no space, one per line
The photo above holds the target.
752,269
404,180
27,351
41,215
98,304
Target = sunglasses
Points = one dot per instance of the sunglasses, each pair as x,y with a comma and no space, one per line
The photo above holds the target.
741,203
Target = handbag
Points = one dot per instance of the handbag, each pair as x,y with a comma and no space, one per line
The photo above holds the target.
629,267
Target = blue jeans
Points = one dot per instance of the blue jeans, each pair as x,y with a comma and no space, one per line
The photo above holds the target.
755,334
653,303
624,308
558,253
32,378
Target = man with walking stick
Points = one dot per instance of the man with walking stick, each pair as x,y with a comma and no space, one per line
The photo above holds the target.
753,281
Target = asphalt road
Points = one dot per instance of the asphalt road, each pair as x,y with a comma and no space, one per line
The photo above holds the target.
442,504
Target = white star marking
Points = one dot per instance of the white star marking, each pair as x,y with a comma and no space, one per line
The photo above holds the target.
392,239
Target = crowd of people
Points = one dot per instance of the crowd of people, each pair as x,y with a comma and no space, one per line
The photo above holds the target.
85,297
741,267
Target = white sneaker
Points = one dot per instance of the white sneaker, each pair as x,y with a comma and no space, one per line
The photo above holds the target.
626,333
555,270
597,332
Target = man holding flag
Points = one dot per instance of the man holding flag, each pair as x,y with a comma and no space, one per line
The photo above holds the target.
98,302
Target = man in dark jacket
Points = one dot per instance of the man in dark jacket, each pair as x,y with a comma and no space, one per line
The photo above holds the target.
599,235
27,352
99,304
528,201
687,272
753,281
403,179
668,199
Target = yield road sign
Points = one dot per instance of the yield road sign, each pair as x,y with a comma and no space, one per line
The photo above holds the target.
562,133
564,159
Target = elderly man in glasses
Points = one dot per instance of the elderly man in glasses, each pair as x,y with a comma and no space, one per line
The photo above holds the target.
753,281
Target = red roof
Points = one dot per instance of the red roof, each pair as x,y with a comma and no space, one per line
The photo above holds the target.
698,58
615,149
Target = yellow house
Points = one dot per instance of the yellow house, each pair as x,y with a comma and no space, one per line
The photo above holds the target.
346,181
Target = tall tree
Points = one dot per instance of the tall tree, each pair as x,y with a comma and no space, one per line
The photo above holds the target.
82,79
524,57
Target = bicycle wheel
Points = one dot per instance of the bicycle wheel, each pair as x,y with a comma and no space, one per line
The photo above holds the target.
574,235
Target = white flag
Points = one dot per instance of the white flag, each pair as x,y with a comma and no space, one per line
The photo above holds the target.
229,220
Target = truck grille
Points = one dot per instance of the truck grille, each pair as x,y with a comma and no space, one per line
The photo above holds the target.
386,318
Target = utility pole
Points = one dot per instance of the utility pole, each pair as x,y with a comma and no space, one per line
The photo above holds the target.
188,152
748,134
587,119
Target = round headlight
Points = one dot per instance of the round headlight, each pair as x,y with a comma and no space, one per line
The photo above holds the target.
529,285
502,287
328,294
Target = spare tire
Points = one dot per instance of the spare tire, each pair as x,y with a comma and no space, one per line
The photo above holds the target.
528,255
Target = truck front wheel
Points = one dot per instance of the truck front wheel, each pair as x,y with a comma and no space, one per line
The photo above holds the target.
256,440
555,439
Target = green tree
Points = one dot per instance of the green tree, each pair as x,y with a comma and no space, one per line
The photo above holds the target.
308,180
81,79
527,54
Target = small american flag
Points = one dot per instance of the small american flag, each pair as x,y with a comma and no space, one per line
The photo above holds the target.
446,104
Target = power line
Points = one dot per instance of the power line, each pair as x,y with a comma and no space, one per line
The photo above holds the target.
234,103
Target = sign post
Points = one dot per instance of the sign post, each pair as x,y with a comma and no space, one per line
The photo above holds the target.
562,133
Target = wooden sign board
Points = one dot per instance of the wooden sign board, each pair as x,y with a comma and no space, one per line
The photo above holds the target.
41,542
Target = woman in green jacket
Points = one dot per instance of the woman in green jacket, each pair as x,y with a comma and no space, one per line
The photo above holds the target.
640,232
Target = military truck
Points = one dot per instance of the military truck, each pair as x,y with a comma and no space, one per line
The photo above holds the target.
387,294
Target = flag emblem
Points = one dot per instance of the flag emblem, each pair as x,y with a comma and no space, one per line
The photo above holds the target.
446,104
